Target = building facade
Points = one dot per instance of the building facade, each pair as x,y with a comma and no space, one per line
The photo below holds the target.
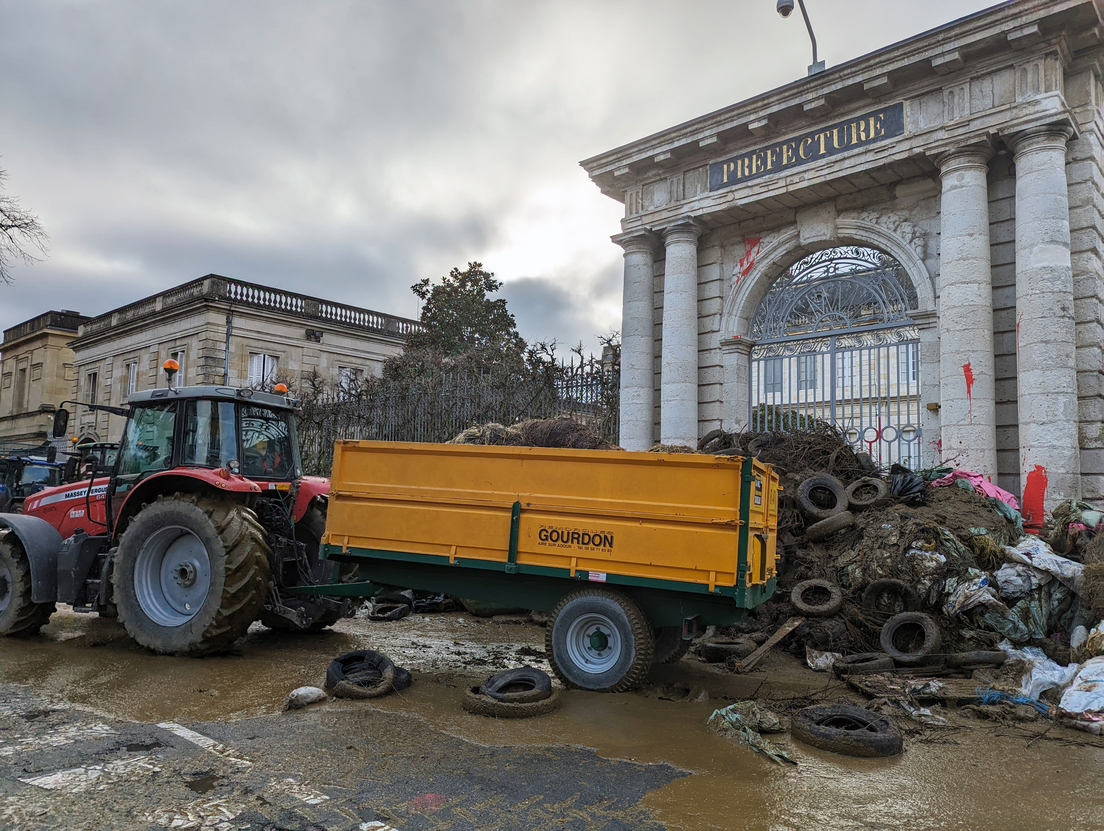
909,245
224,331
36,375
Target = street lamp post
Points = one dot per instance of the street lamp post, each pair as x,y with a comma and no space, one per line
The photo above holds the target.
784,8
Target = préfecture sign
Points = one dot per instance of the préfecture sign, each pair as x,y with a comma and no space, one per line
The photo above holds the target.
822,143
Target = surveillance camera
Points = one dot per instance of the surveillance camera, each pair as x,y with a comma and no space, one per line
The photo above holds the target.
785,7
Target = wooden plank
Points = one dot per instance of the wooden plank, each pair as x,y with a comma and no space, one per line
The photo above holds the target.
751,660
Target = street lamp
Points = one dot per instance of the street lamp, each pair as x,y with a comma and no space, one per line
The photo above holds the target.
784,8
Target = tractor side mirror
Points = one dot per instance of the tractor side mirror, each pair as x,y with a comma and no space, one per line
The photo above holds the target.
61,422
51,453
71,468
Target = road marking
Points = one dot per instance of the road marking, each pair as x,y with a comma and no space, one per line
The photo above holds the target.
76,780
213,814
376,826
59,738
206,742
294,788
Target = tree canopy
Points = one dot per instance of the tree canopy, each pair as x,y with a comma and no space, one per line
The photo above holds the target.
19,231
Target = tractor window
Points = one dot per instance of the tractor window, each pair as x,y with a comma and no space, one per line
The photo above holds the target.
267,444
148,441
210,433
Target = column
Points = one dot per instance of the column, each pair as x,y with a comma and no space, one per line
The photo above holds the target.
637,429
736,360
678,397
967,400
1050,460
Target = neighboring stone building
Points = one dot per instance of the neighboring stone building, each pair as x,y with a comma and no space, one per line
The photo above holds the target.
271,334
36,374
909,245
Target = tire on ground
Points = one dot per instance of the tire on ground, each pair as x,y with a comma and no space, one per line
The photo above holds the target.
191,574
865,492
518,686
827,527
599,640
903,598
977,658
669,645
718,650
817,598
910,637
863,662
846,729
362,673
821,496
19,616
483,705
308,530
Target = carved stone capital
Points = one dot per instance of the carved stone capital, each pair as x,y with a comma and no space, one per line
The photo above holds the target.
1050,137
971,157
635,242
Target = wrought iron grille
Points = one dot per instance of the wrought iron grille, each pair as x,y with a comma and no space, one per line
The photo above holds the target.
835,343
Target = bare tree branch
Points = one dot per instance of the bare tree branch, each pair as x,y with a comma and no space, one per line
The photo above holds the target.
19,231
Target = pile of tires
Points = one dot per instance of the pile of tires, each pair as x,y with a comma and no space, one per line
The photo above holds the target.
830,507
513,693
365,673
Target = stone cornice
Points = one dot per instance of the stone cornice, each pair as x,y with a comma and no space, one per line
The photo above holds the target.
1009,32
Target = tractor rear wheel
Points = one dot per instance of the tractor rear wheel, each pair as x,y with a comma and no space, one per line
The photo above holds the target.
308,530
191,574
19,616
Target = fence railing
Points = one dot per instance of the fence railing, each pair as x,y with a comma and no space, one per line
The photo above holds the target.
436,408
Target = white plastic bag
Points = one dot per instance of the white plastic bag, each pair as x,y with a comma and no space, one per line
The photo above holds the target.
1044,674
1086,694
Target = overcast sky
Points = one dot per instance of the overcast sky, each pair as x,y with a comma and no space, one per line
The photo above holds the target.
348,149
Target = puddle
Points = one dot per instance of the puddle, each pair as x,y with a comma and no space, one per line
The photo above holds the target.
203,784
139,747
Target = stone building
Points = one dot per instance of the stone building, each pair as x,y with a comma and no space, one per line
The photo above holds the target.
224,331
909,245
36,374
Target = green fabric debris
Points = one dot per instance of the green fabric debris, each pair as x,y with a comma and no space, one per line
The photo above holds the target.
743,722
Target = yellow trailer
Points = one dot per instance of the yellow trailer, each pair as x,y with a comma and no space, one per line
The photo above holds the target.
630,552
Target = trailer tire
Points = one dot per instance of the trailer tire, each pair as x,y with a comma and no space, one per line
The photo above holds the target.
669,645
846,729
311,525
518,686
483,705
806,598
910,637
20,617
191,573
599,640
821,487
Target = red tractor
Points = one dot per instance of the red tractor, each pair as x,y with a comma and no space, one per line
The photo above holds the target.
202,526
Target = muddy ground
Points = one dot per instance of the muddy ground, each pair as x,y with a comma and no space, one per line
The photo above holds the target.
96,733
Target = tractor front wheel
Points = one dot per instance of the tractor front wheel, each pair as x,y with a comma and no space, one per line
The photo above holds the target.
19,616
191,574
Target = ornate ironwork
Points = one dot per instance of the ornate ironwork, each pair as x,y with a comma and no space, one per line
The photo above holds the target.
834,291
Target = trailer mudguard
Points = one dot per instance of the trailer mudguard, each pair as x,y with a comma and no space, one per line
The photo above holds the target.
41,541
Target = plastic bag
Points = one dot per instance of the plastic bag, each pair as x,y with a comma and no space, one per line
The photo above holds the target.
1086,693
907,486
1015,580
1044,674
820,661
1035,552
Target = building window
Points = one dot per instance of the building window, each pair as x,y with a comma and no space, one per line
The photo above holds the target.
807,372
91,381
772,376
845,369
132,378
262,370
908,364
178,356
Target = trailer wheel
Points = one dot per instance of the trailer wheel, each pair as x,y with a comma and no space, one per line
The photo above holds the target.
191,574
669,645
308,531
599,640
19,616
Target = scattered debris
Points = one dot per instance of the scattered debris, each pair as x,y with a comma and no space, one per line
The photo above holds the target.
303,697
746,721
365,674
746,664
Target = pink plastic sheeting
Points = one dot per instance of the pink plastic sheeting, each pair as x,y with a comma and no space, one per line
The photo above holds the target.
981,485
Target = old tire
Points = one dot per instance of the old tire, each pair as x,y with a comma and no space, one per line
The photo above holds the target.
191,574
482,705
19,616
363,673
862,663
518,686
887,597
910,637
599,640
669,645
977,658
821,496
720,650
864,493
846,729
817,598
308,530
827,527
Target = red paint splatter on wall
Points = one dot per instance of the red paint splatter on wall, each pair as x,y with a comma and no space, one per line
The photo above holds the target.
969,375
752,247
1033,496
